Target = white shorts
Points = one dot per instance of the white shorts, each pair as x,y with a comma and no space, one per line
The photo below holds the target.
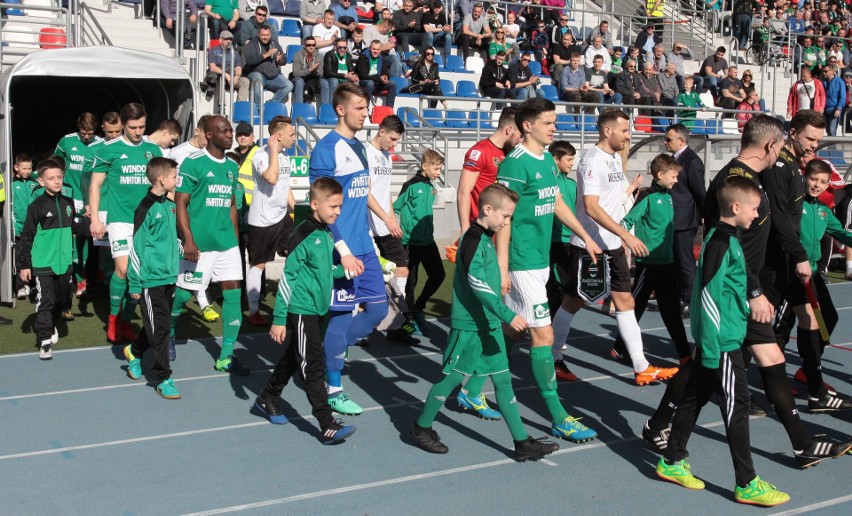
212,266
120,238
528,296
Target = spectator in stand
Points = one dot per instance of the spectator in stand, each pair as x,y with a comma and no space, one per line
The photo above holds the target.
223,15
434,21
847,81
425,78
649,90
539,43
532,15
311,12
836,53
513,29
249,28
408,29
380,32
647,40
356,43
689,98
806,53
499,44
338,67
713,70
749,86
731,92
797,23
168,14
326,33
559,30
806,93
345,17
308,83
676,56
625,83
669,89
573,86
597,83
374,74
751,105
475,33
743,12
821,51
602,31
655,13
714,12
835,98
524,82
657,57
597,49
561,54
263,61
635,54
494,81
219,61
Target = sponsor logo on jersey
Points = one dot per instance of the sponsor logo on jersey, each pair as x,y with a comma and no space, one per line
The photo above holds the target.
541,311
68,211
192,277
504,183
211,174
49,214
120,245
359,187
318,242
74,149
344,296
659,201
475,154
159,216
148,155
230,176
537,175
179,183
123,156
235,322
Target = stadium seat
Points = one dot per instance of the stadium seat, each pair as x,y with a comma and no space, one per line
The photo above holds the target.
273,109
448,87
467,89
242,112
550,92
327,115
566,123
535,68
12,11
291,28
457,119
434,117
213,43
273,24
439,61
291,52
590,123
642,124
474,64
306,112
379,114
406,114
456,64
52,37
482,118
401,84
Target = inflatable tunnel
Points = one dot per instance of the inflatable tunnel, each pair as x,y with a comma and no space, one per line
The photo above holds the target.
42,95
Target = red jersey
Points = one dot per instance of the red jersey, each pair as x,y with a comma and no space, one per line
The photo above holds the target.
484,158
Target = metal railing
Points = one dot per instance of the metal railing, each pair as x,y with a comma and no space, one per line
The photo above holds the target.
88,31
23,35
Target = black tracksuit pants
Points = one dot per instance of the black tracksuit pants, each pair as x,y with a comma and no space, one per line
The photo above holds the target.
684,256
156,309
430,258
53,296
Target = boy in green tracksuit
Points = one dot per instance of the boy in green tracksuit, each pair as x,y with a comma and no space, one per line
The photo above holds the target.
653,218
23,185
414,207
475,345
817,220
304,297
688,98
152,273
719,327
46,248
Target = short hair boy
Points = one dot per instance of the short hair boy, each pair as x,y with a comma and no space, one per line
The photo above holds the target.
303,299
475,345
154,260
719,327
23,184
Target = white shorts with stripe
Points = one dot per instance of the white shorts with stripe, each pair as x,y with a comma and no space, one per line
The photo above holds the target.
211,267
528,296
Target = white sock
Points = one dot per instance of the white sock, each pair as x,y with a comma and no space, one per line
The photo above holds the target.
632,336
333,390
253,280
848,267
402,282
561,328
201,297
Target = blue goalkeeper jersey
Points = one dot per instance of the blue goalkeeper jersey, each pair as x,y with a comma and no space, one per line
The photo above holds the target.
345,160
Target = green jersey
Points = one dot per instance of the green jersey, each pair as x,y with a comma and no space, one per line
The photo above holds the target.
86,178
568,190
414,206
78,157
124,165
210,183
533,178
817,220
22,196
653,218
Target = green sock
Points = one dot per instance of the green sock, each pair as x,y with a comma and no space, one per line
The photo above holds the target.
181,298
117,289
232,319
437,397
474,385
545,377
509,405
129,309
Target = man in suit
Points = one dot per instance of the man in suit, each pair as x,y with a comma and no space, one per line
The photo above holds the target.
688,198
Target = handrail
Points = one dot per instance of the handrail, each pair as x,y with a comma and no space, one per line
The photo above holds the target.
56,17
92,33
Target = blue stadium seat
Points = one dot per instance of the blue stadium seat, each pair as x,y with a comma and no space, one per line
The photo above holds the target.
273,109
291,27
448,87
242,112
306,112
439,61
456,64
457,119
291,52
327,115
590,123
483,118
434,117
467,89
566,123
273,24
550,92
402,83
535,68
408,118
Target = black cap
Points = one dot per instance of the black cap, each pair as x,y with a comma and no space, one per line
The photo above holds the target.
243,128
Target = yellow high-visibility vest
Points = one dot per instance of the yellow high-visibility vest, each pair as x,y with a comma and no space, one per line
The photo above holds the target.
649,7
245,177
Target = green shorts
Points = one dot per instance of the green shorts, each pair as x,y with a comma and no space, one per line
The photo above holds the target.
480,353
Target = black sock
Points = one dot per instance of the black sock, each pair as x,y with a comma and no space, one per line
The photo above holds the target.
671,398
777,389
809,349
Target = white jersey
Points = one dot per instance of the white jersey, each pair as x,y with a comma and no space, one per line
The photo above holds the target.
322,33
381,169
269,202
183,150
600,174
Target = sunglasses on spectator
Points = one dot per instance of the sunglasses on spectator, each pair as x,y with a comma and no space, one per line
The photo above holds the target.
263,15
342,48
500,32
430,54
525,60
310,45
563,19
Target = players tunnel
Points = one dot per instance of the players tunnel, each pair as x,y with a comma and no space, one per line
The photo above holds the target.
42,95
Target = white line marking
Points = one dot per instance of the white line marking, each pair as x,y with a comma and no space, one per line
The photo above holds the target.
548,462
816,506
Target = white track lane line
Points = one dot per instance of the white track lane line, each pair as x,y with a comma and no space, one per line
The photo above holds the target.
816,506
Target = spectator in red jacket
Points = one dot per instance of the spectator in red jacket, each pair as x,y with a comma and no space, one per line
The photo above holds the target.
806,93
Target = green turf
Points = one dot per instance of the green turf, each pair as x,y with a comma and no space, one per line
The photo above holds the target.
89,326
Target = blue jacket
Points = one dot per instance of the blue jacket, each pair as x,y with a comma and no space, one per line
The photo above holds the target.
835,94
